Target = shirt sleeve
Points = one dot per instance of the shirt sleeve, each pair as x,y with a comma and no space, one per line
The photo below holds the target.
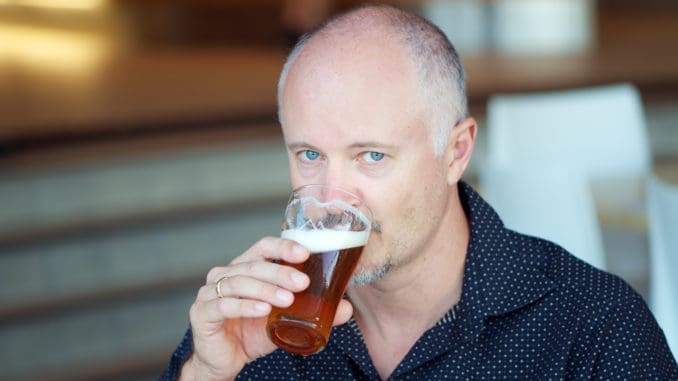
633,346
178,358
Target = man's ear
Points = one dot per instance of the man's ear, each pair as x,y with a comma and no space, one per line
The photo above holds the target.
459,149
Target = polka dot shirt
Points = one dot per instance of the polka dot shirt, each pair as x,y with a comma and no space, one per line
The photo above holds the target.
529,311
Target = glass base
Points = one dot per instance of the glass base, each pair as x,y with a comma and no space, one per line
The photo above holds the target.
296,336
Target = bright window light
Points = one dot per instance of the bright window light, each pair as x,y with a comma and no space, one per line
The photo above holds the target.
85,5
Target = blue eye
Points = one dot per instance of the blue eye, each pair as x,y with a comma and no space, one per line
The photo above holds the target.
373,156
311,155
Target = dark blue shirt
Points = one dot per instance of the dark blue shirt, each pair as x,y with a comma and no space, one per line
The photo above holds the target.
529,310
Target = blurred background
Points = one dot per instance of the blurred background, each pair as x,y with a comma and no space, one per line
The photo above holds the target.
139,148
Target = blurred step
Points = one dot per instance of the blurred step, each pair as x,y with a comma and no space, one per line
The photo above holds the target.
69,199
74,345
36,275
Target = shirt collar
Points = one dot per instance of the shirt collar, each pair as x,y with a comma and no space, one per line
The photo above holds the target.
500,275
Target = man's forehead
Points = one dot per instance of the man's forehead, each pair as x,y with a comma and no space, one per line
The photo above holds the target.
347,136
352,71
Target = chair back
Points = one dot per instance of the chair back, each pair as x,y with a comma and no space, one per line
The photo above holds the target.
663,238
600,131
551,203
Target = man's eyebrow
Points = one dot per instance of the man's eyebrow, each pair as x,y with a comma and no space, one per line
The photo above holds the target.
371,145
296,145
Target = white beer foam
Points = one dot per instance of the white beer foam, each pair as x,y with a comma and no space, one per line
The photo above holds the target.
317,241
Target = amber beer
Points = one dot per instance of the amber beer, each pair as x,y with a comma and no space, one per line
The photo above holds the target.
305,326
334,226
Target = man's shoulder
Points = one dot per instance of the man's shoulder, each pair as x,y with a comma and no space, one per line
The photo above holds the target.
575,278
608,325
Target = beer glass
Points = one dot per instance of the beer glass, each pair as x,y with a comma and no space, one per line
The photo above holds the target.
334,225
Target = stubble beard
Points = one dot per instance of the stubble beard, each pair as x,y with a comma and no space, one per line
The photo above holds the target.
372,272
367,277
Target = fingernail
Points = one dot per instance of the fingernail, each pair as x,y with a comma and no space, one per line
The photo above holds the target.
298,250
284,296
298,278
261,307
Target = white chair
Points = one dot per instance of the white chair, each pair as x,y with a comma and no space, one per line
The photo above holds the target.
552,203
663,237
600,131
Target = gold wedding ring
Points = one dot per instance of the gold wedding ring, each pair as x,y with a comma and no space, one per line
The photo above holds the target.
219,294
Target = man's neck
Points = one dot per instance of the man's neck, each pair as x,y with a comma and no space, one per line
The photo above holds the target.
396,310
420,293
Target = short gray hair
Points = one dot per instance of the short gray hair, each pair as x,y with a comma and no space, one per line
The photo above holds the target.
442,87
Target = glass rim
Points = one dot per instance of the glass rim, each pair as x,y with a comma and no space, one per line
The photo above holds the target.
339,188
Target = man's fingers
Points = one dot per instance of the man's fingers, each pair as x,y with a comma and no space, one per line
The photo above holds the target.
247,288
237,279
344,312
272,248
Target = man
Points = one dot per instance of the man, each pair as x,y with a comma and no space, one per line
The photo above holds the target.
374,101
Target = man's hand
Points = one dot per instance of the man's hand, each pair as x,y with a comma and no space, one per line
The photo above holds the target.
230,331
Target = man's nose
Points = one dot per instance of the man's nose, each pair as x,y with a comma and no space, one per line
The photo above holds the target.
335,175
339,181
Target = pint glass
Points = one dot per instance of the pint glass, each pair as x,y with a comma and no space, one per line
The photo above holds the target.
334,225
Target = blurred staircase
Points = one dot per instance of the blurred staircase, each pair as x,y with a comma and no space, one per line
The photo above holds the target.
100,262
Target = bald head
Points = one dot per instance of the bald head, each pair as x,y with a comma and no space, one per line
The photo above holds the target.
422,47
